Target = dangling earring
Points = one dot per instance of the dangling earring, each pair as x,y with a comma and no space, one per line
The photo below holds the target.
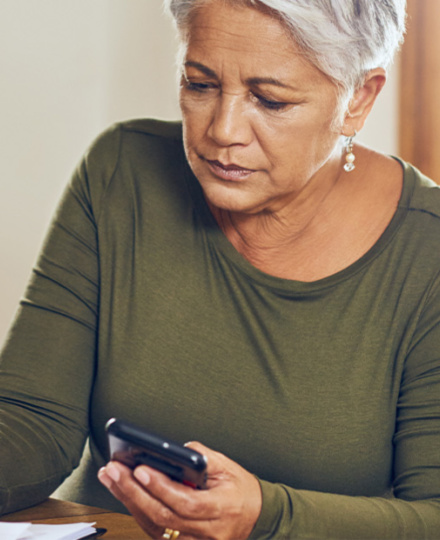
349,156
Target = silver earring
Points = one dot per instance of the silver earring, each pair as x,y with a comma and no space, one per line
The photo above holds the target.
349,156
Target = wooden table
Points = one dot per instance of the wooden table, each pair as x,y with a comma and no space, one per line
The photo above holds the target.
119,526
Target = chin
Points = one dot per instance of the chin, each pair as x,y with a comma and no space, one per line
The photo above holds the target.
237,202
241,197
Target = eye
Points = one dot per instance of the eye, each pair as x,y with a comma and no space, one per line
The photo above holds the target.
268,104
199,87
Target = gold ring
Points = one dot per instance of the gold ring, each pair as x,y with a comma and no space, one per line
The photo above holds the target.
170,534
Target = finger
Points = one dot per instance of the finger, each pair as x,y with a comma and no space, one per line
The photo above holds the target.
119,481
216,460
151,513
186,502
229,510
220,468
201,448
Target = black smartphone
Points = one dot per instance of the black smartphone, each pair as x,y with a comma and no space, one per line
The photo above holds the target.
134,446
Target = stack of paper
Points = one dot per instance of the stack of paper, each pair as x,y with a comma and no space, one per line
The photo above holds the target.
30,531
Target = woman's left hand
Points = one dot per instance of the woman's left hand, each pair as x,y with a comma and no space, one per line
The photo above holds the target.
227,509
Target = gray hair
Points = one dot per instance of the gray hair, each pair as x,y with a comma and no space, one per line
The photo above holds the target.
343,38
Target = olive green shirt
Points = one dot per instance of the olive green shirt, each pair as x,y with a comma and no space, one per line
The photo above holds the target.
140,308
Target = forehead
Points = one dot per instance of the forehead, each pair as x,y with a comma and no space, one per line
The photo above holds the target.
249,38
241,25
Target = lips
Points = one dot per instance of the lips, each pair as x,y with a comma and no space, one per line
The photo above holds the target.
231,171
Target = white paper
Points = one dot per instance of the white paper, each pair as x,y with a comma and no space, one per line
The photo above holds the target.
13,531
29,531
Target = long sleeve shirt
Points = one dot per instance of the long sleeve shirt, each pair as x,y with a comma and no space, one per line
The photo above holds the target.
140,308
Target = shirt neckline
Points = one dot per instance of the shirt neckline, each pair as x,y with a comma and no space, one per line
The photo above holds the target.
219,240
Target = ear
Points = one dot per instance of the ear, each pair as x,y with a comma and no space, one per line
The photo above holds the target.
363,101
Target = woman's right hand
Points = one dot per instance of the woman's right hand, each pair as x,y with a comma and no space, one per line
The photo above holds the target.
228,509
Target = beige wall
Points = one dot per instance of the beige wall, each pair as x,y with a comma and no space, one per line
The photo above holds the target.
68,69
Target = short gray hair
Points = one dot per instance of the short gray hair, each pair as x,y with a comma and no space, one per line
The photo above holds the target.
343,38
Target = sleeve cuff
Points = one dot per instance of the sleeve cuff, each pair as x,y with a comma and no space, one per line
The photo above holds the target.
276,513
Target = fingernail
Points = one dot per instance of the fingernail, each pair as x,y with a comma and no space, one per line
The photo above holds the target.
142,475
103,478
113,472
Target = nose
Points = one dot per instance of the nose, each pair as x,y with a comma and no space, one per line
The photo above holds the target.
229,125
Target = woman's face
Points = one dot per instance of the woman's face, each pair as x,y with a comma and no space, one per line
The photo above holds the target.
257,115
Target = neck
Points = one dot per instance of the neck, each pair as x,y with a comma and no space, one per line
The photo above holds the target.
280,228
324,228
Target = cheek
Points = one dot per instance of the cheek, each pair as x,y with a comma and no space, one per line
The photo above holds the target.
191,141
196,112
307,136
297,152
194,127
287,146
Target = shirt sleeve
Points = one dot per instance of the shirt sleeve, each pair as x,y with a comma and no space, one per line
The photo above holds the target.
413,510
47,365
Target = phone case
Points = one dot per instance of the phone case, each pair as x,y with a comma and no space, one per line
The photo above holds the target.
134,446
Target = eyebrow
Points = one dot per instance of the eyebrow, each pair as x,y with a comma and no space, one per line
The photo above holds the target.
204,69
252,81
267,80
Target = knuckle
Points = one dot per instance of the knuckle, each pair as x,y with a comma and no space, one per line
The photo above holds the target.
194,507
163,517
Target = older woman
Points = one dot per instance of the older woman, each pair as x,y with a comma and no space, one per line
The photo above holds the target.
261,284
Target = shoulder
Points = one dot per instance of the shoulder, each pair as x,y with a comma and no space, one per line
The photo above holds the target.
419,230
129,156
420,193
109,142
141,143
423,193
153,128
